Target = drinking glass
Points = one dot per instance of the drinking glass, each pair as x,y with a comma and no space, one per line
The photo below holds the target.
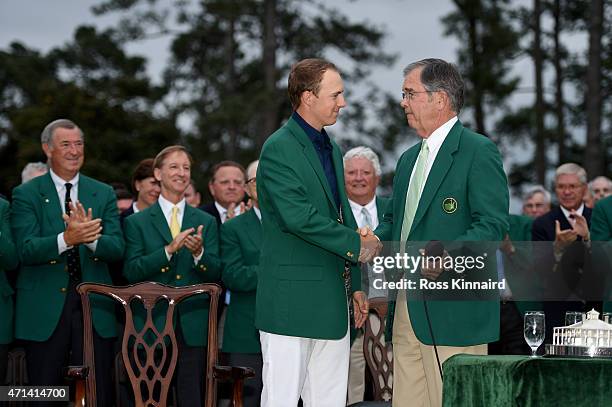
573,317
534,330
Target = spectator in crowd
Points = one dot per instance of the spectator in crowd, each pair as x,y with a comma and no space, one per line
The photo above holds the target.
8,261
536,201
240,248
308,243
192,196
57,224
172,243
449,187
600,187
144,186
124,197
564,269
361,178
227,189
33,170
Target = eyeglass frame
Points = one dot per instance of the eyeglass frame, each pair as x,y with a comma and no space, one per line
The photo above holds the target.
409,95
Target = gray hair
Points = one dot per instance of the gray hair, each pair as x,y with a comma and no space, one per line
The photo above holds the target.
365,152
250,168
439,75
537,189
600,178
572,169
33,168
47,134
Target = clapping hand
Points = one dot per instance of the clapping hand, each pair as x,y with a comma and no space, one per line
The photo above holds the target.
80,226
194,242
179,241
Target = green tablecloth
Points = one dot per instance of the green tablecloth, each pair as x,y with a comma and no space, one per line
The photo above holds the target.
499,381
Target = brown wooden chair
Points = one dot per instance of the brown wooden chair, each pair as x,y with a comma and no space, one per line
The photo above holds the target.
150,354
378,355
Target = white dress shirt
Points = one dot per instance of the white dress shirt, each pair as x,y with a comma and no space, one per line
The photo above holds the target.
60,187
166,207
567,213
223,211
370,207
434,142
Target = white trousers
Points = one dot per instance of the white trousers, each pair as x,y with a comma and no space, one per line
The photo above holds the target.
315,369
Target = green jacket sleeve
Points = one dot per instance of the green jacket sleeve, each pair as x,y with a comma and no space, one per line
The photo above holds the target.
296,214
32,248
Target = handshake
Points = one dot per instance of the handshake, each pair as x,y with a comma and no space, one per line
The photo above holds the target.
370,244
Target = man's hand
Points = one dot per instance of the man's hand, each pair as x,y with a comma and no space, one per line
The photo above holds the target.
179,241
360,308
78,232
194,242
506,246
434,266
564,237
580,225
370,245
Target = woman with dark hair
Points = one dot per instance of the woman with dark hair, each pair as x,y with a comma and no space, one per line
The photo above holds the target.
144,186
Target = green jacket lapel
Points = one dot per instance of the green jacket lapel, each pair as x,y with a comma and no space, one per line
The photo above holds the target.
51,202
159,222
311,156
443,162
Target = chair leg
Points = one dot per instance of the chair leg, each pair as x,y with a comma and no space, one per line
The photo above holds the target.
237,396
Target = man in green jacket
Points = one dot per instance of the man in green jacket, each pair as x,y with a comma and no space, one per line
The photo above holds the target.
172,243
309,250
8,261
66,229
240,250
449,187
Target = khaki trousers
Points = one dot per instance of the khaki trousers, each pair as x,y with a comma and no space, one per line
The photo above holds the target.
416,377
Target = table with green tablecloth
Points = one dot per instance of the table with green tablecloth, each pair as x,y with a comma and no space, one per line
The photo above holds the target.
524,381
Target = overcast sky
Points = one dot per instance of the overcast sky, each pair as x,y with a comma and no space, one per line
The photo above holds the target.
413,27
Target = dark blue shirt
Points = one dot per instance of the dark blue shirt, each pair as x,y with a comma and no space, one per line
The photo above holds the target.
322,145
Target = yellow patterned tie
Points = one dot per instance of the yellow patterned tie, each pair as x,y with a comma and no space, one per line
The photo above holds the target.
175,229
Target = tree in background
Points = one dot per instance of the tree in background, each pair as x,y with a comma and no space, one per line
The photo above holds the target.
91,81
491,43
229,60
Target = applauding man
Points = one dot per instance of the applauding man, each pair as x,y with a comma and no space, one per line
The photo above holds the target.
172,243
60,245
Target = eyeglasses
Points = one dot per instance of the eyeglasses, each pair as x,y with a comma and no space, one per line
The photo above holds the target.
254,179
410,94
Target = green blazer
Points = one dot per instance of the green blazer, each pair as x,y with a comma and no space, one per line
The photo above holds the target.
300,289
240,249
36,220
601,231
469,169
146,234
8,261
